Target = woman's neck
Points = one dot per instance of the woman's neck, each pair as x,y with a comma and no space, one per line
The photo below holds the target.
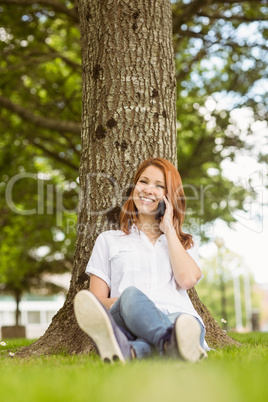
149,225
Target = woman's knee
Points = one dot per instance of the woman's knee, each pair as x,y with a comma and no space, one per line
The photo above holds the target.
131,295
130,291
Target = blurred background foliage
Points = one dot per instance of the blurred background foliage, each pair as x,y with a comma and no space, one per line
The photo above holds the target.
226,277
221,64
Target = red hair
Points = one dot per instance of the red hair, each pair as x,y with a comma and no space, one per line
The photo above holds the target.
128,214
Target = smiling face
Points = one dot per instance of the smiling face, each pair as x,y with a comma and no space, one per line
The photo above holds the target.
149,190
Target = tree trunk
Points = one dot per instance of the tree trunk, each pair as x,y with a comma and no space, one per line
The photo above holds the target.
129,114
17,313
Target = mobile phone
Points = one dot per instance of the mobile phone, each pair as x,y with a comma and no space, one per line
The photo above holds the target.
160,210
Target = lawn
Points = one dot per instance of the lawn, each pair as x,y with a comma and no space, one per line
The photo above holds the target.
229,375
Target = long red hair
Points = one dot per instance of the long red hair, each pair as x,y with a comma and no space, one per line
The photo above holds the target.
174,188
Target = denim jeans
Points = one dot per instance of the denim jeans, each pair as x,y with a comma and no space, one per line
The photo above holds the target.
145,325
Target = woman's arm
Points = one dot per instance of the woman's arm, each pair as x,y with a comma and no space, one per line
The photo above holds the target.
185,270
101,290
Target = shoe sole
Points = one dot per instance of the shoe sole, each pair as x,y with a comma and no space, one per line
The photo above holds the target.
188,339
94,321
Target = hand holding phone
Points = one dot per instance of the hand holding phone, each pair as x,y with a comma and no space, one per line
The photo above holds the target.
160,210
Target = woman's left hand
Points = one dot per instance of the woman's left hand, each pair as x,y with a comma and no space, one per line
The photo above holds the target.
166,223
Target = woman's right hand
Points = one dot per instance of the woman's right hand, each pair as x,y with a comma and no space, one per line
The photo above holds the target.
166,223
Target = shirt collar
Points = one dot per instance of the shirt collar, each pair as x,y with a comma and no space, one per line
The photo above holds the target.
135,230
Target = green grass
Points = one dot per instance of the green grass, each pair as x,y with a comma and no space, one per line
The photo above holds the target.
228,375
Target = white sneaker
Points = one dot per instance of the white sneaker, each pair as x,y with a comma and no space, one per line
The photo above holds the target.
187,334
96,322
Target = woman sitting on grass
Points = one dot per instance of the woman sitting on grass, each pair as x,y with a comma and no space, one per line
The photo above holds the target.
137,302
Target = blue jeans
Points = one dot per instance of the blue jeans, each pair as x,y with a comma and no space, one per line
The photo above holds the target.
145,325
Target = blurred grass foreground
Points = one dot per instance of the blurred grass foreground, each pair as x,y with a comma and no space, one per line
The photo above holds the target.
230,374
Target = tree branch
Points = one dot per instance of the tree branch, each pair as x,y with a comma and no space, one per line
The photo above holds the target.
65,59
191,34
71,144
54,155
232,18
40,121
32,61
192,8
182,14
236,1
54,141
182,74
59,7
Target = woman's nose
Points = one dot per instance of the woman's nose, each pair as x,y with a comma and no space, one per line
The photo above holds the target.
150,189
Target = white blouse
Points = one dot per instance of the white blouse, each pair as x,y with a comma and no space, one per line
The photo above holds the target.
132,260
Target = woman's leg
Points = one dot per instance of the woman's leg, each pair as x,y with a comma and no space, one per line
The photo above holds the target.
141,348
174,316
138,315
187,337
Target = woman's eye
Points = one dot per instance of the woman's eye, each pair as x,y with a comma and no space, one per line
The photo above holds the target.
160,186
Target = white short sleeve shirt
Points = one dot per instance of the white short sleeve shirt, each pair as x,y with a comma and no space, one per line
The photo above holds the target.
132,260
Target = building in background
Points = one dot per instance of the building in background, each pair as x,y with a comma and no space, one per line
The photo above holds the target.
36,312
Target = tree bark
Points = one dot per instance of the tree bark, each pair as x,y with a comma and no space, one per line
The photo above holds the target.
129,114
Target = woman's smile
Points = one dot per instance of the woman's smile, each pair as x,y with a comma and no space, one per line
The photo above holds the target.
146,200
